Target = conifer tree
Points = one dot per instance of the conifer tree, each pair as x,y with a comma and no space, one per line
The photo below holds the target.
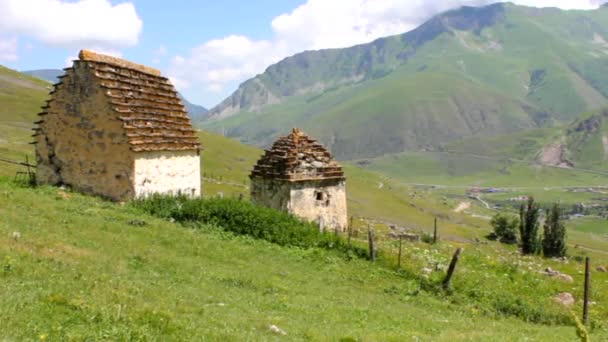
528,227
554,237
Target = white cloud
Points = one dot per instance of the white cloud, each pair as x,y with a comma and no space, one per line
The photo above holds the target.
221,61
73,24
8,49
316,24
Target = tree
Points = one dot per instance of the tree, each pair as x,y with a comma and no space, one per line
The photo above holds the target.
528,227
554,237
505,228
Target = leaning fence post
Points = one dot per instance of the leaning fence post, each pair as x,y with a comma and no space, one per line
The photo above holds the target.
587,288
372,249
452,268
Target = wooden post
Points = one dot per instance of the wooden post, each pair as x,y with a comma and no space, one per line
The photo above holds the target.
372,249
451,269
350,231
587,286
435,232
399,261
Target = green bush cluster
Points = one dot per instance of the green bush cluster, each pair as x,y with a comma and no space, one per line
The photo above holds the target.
505,228
243,218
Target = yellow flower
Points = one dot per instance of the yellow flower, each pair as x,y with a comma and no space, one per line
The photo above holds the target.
43,337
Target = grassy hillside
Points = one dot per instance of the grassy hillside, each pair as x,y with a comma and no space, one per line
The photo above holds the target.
586,141
469,72
81,268
131,276
21,97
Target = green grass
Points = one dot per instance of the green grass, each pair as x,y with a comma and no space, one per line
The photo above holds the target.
21,97
89,269
466,170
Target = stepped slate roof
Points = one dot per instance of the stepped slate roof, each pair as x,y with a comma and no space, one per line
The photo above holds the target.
154,118
297,157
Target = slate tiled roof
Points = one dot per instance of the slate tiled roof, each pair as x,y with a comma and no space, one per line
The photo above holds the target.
297,157
153,116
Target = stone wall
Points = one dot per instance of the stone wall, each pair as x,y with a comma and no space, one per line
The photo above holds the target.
270,193
81,142
168,172
316,201
323,202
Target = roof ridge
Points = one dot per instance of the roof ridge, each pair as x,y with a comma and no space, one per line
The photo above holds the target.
88,55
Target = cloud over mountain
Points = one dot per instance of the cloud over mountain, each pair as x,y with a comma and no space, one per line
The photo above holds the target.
218,65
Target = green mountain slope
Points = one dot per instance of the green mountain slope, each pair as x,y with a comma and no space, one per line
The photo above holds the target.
586,141
484,71
21,97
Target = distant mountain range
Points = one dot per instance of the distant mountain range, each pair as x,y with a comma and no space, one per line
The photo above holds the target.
197,113
470,72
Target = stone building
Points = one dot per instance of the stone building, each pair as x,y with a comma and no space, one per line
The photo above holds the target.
116,129
299,176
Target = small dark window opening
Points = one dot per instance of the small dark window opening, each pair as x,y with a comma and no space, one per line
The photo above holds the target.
319,196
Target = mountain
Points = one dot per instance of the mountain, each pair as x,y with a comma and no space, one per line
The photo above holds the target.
49,75
585,142
197,113
473,71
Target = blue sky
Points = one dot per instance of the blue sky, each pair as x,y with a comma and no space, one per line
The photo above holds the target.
207,47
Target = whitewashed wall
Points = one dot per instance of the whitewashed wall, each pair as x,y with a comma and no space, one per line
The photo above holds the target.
167,172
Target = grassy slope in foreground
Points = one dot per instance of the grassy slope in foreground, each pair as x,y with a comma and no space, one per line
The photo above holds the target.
81,271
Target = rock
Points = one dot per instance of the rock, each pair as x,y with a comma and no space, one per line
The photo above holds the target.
427,270
277,330
563,277
557,275
565,299
16,236
602,269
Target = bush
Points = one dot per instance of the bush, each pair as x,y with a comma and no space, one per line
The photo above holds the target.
505,228
241,217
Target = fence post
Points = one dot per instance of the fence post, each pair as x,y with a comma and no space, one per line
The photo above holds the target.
587,288
435,232
451,269
399,262
372,249
350,231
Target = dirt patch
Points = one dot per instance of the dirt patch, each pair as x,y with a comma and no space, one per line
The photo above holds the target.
462,206
554,155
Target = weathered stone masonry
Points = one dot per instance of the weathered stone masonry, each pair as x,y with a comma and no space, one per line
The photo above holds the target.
299,176
117,129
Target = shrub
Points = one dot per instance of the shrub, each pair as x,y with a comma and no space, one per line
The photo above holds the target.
505,228
243,218
554,238
528,227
